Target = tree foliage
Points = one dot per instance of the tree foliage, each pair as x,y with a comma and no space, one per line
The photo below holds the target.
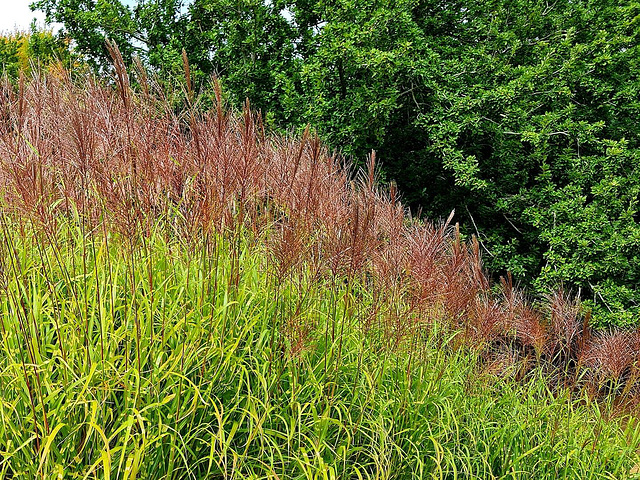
521,115
20,50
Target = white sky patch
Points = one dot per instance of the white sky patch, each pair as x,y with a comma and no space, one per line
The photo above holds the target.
16,15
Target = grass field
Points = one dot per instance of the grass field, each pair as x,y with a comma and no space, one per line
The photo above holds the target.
186,296
166,362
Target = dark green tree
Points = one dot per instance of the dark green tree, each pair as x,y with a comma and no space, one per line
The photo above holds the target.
251,46
543,132
148,29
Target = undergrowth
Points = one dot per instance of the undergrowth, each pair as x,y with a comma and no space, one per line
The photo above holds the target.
165,362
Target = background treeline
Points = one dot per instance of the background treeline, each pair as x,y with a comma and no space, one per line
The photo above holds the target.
521,115
20,51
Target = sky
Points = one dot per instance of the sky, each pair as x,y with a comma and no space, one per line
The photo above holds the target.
15,14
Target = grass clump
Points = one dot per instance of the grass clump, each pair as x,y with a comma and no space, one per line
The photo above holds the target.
185,296
164,362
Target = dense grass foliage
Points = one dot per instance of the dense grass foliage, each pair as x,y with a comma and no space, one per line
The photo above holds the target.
176,361
185,296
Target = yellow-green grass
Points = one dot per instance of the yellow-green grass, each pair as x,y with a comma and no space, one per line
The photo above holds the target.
155,358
